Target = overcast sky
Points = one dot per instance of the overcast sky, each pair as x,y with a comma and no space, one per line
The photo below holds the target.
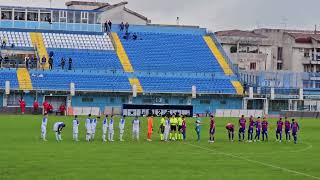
218,14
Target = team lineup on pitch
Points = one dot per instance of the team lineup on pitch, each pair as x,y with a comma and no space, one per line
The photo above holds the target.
173,127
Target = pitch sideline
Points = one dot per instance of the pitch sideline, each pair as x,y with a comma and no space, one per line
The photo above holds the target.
257,162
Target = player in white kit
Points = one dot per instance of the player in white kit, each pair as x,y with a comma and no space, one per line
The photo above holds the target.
75,128
104,128
88,128
135,128
57,127
121,126
110,129
93,127
166,129
44,127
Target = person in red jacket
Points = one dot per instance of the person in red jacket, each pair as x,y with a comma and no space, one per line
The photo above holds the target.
62,108
35,106
45,107
22,105
50,108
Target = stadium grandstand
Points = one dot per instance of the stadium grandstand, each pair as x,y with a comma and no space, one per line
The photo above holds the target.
72,56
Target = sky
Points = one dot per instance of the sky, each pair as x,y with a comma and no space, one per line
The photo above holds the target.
218,15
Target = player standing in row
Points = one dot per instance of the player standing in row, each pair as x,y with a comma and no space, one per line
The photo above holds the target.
167,127
230,128
88,128
161,127
135,128
287,128
111,129
184,128
279,130
122,123
264,125
250,129
258,130
212,129
295,129
173,128
179,121
44,127
150,127
242,128
94,126
105,126
198,127
75,128
57,128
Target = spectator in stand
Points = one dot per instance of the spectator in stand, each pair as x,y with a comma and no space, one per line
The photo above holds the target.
121,27
45,107
50,108
43,61
22,105
109,25
34,61
4,42
35,107
106,27
27,61
127,27
50,63
62,63
62,109
70,64
1,59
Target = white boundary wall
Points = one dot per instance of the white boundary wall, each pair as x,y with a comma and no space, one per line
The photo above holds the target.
238,113
95,111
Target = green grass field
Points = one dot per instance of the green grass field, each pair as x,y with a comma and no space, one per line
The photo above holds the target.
24,156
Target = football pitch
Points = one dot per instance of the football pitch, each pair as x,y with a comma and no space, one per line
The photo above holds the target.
24,156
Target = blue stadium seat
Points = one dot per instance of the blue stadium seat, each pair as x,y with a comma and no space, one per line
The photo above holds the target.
9,75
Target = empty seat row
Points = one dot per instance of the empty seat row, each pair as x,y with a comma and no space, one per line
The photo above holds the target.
20,39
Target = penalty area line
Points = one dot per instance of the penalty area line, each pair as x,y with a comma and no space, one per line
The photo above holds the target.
256,162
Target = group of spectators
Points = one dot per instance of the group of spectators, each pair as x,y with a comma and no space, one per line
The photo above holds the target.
31,62
47,107
63,63
122,26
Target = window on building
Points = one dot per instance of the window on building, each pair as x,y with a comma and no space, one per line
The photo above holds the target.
87,99
279,66
84,17
55,16
77,16
63,16
112,100
19,15
45,16
181,101
32,16
70,17
166,101
253,66
123,100
280,49
91,18
233,49
6,14
306,53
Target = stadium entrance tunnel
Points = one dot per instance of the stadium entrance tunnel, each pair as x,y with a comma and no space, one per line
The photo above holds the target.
156,110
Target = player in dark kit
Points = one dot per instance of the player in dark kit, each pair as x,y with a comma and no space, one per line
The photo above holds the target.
295,129
279,130
242,127
212,129
264,125
258,130
250,129
287,128
230,128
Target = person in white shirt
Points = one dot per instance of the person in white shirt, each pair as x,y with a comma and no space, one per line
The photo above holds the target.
57,127
93,127
121,126
75,128
88,128
105,128
135,128
166,129
110,129
44,127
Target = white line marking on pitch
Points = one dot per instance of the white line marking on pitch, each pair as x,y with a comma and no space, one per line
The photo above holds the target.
257,162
